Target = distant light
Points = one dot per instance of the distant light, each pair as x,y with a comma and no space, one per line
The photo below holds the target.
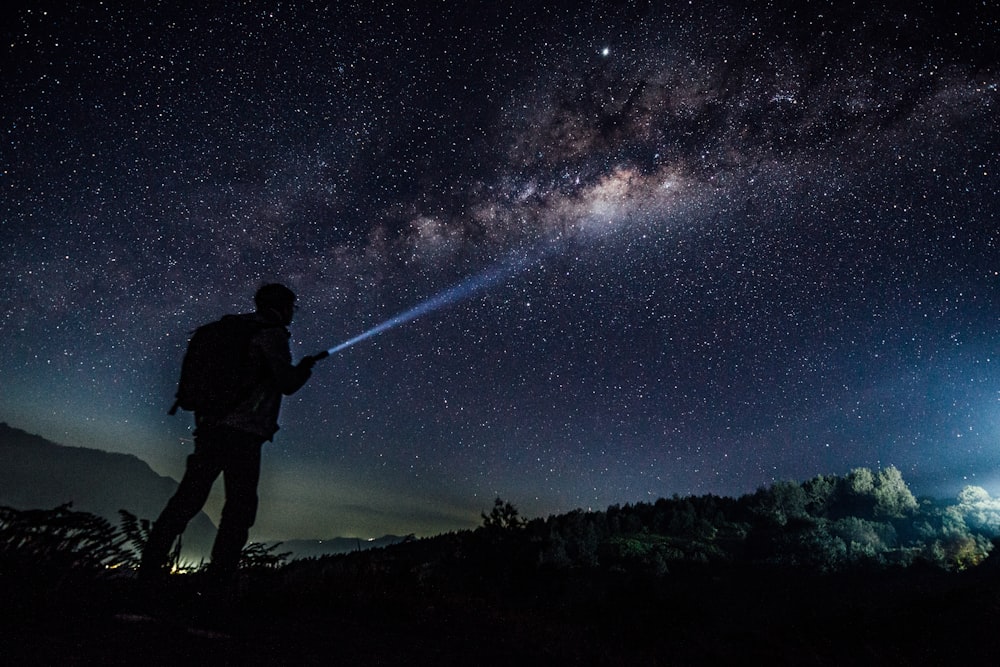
606,51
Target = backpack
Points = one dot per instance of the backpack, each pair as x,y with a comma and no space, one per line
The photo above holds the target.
216,374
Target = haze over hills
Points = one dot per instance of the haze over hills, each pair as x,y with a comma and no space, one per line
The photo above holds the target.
336,545
36,473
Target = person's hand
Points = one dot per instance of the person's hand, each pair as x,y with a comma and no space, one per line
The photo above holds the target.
308,361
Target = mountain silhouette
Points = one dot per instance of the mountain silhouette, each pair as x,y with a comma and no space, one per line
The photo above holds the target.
36,473
333,546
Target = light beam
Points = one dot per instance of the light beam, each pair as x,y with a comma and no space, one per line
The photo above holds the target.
456,293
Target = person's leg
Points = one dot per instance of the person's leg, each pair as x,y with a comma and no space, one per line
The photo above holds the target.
240,474
203,467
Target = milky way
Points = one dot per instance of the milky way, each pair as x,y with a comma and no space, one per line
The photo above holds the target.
751,244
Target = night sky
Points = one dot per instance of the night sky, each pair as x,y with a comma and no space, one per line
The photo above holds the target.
719,246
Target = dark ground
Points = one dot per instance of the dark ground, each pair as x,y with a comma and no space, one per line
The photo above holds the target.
916,616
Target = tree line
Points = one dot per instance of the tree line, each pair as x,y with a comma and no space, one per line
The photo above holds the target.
825,524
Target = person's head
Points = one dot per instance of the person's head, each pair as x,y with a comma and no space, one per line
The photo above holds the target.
276,301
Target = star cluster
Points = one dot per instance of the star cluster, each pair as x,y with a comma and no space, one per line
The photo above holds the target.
755,243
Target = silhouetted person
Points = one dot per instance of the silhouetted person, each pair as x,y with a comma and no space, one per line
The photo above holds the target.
229,442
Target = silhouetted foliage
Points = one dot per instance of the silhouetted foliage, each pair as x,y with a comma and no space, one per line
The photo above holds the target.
259,556
60,538
503,516
63,540
136,532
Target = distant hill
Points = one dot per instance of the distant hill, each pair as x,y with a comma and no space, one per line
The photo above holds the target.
36,473
336,545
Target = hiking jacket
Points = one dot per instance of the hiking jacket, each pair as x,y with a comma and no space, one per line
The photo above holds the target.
271,358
